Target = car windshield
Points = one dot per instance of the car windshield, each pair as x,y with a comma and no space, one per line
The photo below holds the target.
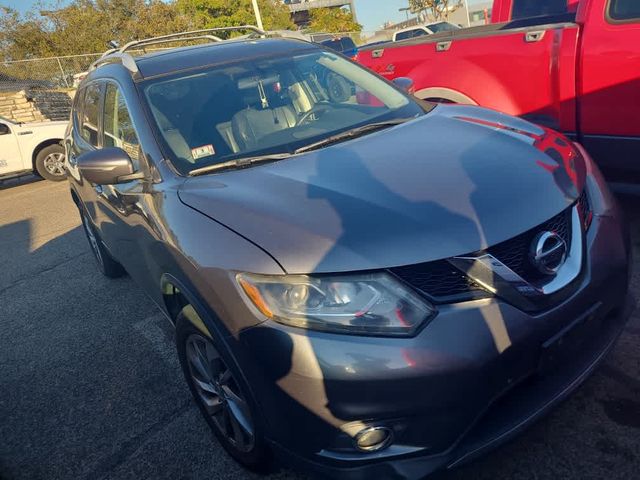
267,106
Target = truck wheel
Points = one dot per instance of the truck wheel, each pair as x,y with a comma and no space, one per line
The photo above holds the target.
221,395
107,265
50,163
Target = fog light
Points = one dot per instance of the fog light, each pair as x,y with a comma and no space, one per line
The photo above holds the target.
373,439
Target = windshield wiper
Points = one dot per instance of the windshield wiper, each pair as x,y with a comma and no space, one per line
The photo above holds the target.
237,163
352,133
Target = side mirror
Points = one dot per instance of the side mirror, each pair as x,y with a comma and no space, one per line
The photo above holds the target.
107,166
406,84
4,129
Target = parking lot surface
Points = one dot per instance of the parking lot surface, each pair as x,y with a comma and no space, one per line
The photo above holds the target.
90,386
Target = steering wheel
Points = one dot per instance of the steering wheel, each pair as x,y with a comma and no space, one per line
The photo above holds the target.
316,109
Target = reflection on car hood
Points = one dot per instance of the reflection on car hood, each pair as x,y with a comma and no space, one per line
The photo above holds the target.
455,181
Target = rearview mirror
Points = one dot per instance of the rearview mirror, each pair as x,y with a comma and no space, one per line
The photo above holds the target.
4,129
406,84
107,166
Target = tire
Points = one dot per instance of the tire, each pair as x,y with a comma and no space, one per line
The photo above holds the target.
107,265
50,163
222,410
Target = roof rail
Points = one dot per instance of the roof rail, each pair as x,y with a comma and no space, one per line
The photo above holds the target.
120,55
114,56
192,35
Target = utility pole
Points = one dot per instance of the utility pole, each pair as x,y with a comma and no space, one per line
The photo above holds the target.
466,7
256,10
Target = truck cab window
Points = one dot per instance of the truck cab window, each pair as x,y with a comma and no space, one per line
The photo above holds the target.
537,8
624,10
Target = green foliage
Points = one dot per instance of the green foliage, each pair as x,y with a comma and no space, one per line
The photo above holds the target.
227,13
332,20
434,10
85,26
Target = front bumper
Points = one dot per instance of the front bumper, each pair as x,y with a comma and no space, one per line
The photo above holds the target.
479,373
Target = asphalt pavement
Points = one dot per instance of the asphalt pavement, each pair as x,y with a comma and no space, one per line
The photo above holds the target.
90,386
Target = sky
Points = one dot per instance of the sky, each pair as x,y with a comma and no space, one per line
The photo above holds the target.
371,13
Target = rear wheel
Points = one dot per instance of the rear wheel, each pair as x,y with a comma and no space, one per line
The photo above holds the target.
221,396
50,163
107,265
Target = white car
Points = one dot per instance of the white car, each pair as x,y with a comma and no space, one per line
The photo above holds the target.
26,147
421,30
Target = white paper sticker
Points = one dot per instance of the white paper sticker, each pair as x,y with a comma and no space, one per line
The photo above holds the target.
203,151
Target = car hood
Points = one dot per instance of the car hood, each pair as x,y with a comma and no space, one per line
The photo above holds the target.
455,181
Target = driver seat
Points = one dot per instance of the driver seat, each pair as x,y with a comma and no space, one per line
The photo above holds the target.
253,123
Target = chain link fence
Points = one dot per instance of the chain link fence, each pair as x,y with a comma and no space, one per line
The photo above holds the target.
65,72
44,73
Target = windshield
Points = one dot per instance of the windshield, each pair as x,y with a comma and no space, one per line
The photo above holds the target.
269,105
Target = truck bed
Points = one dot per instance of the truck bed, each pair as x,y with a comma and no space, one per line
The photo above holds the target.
471,65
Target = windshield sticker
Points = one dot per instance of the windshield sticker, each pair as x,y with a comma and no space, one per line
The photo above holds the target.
203,151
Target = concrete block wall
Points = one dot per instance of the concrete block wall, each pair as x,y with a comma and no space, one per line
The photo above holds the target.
35,105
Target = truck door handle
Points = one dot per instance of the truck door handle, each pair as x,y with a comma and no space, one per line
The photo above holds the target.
377,53
443,46
533,37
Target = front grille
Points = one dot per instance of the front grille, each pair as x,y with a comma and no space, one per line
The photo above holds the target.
439,280
514,253
444,283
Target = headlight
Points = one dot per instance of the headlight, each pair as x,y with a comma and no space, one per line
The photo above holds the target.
370,304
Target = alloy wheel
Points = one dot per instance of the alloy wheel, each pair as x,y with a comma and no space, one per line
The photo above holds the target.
219,393
54,164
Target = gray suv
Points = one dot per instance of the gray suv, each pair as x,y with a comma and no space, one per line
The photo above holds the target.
362,284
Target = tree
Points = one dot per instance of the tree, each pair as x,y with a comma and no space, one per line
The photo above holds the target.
84,26
332,20
434,10
71,27
228,13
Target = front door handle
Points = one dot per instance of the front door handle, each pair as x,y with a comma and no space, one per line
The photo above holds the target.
533,37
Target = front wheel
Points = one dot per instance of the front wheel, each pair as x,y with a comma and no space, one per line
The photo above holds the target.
221,396
50,163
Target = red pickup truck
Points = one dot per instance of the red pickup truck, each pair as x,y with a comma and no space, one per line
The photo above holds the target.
572,65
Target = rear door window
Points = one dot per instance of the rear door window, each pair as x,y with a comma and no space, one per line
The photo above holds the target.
622,10
90,111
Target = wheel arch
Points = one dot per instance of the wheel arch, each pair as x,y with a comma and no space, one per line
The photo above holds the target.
444,93
176,295
41,146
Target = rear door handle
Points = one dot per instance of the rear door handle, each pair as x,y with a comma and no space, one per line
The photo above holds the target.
533,37
443,46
